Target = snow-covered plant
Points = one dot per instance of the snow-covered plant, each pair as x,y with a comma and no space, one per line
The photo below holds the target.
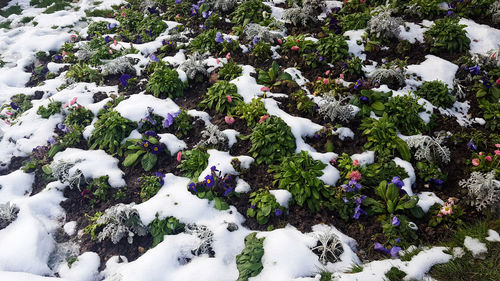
121,221
489,60
329,248
195,65
253,30
206,237
8,214
388,75
483,190
85,52
119,65
212,136
63,252
383,25
62,171
429,148
223,5
495,12
333,108
300,15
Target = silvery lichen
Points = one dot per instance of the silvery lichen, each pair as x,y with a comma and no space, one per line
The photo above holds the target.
429,148
223,5
213,137
483,191
383,25
263,33
206,237
387,75
121,221
85,52
119,65
333,108
63,171
300,16
8,214
329,247
194,65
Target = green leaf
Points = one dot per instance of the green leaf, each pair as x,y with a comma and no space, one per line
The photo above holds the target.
46,169
378,106
392,192
131,159
55,149
148,161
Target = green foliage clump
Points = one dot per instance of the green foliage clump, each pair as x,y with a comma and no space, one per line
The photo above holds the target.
491,113
19,104
78,116
205,41
150,185
12,10
304,103
403,112
217,97
251,112
299,174
249,11
436,92
377,172
395,274
110,130
161,227
448,35
273,77
100,190
261,51
183,124
140,26
430,173
98,28
271,140
193,163
249,262
165,82
51,109
370,101
425,9
333,47
354,21
263,205
145,150
81,72
230,71
392,201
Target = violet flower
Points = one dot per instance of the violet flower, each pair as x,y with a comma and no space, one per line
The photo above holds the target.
471,145
395,221
124,79
278,212
219,38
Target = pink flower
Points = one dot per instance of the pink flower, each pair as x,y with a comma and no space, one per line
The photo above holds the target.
325,80
177,16
65,105
497,152
439,215
179,156
228,55
264,89
481,153
327,72
295,48
341,75
452,201
114,42
229,98
475,162
229,119
497,145
498,81
6,121
264,117
355,176
63,53
110,51
217,61
73,101
355,163
488,158
124,15
280,41
73,37
297,40
8,113
446,210
319,78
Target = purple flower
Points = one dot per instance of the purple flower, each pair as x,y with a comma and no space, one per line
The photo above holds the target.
219,38
364,99
151,134
449,13
358,83
160,177
146,144
14,106
152,10
107,39
124,79
58,58
438,182
471,145
111,25
253,207
379,247
320,59
150,32
62,127
278,212
192,186
154,58
168,121
255,40
228,40
397,182
156,149
486,82
177,1
209,181
213,169
395,221
226,193
475,69
394,252
51,141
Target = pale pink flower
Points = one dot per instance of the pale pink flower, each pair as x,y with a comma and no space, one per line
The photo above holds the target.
228,55
229,119
229,98
124,15
177,16
326,81
475,162
327,72
63,53
114,42
73,101
355,175
319,78
263,118
65,105
446,210
217,61
264,89
497,152
341,75
8,113
355,162
297,40
73,37
481,153
110,51
497,145
295,48
452,201
179,156
280,41
488,158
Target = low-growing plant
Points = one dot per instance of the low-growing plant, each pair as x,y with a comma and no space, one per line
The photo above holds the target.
273,77
223,97
261,51
212,137
263,206
304,103
166,226
145,150
430,173
214,188
193,163
354,21
271,140
379,171
230,71
491,114
195,67
249,261
165,82
150,185
447,35
52,108
98,190
384,26
78,116
109,131
334,109
299,174
213,41
251,112
398,230
483,191
392,200
437,93
81,72
8,214
447,214
395,274
250,11
333,48
388,74
369,101
404,112
182,123
19,104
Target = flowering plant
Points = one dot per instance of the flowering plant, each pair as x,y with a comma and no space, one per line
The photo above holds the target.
399,230
110,130
263,206
150,185
394,198
273,77
486,162
223,97
214,187
193,162
448,214
145,150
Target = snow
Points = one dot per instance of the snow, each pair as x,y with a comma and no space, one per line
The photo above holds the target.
477,248
85,268
242,186
483,38
411,174
415,32
247,85
344,132
173,144
282,196
493,236
136,107
355,36
93,164
442,70
70,228
426,199
222,161
365,158
15,185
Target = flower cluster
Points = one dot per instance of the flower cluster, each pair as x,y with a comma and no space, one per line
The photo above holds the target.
392,251
170,119
214,183
486,162
447,208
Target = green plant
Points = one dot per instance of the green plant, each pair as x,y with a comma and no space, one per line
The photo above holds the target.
261,51
98,28
404,112
93,226
430,173
299,174
354,66
205,41
249,11
263,205
150,185
491,113
214,188
52,108
26,19
392,201
447,35
377,172
354,21
19,104
436,92
448,214
100,190
249,261
304,103
370,101
193,163
183,124
146,150
223,97
333,48
109,131
143,27
425,9
165,82
381,136
81,72
12,10
78,116
230,71
395,274
251,112
273,77
397,230
271,140
161,227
